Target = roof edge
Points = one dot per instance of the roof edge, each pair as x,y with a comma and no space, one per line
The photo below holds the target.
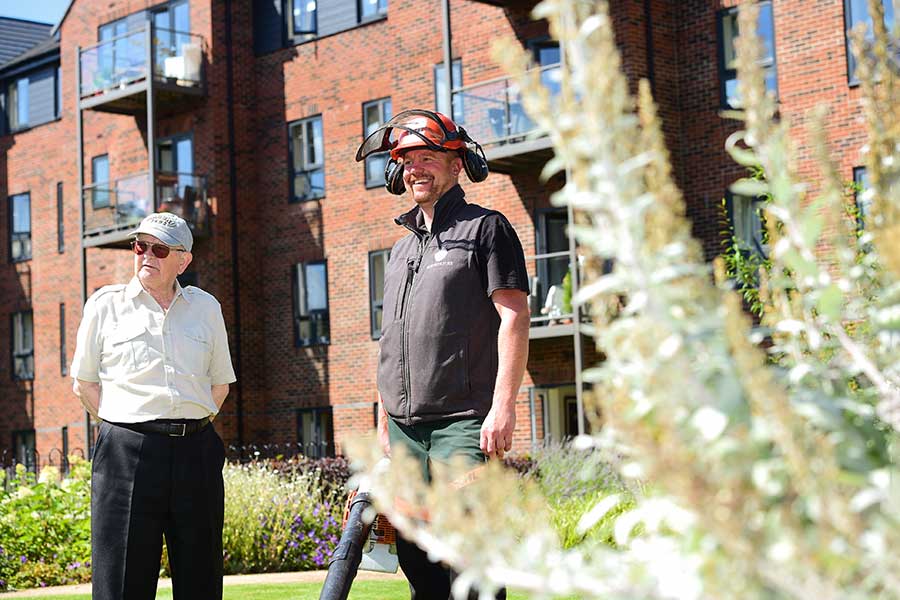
63,18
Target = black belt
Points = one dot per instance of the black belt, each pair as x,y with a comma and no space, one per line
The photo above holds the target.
172,427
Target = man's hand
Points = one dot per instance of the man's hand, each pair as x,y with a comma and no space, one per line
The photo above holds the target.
89,394
384,438
497,430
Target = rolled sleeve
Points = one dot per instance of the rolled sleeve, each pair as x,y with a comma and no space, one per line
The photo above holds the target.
502,256
86,362
221,370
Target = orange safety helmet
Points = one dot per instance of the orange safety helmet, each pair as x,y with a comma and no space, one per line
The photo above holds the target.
414,128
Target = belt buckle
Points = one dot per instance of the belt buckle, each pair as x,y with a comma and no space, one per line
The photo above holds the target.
183,430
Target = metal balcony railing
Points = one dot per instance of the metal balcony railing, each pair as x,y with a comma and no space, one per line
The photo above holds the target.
551,289
124,60
121,204
491,111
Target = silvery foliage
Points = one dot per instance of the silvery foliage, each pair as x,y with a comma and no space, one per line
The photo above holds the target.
765,451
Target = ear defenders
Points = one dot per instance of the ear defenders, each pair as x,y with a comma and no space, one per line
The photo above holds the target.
474,164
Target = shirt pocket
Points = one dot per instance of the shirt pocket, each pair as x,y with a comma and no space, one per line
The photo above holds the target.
128,349
195,351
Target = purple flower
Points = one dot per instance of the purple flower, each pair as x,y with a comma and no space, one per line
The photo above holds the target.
23,560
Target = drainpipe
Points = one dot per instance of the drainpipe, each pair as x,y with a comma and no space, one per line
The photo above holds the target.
81,217
448,60
232,198
648,43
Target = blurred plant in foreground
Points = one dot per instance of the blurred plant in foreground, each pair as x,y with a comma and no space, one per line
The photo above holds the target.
769,472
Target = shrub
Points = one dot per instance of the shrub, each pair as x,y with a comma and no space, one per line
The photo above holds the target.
45,528
277,520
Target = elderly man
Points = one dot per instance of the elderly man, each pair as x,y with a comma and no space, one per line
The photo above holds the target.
455,337
152,362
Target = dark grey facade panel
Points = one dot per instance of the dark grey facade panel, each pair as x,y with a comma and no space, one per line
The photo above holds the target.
17,36
41,97
336,15
268,25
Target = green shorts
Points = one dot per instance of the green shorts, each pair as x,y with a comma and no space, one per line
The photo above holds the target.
439,441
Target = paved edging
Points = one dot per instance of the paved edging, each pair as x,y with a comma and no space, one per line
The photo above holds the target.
259,578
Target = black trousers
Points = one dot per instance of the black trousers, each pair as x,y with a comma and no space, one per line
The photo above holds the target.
145,486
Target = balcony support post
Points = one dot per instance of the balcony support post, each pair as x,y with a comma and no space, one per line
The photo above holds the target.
151,133
448,60
82,215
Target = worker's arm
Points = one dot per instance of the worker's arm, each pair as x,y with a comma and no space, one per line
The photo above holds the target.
219,393
383,437
89,394
512,355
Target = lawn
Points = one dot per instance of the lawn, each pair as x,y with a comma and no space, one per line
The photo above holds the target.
362,590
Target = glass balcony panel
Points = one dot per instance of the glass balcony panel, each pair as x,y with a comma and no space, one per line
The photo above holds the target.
492,111
122,203
178,57
114,63
122,60
551,289
184,194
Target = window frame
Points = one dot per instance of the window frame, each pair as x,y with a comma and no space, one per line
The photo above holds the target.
380,13
63,363
384,118
861,178
756,245
308,33
727,74
316,317
25,439
325,438
374,303
23,237
307,167
849,24
60,219
17,350
457,111
97,196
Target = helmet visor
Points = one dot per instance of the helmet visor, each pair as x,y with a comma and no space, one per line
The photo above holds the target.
426,126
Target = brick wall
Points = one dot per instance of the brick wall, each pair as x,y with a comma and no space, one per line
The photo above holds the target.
240,139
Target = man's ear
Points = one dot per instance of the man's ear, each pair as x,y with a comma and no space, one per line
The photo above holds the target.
186,258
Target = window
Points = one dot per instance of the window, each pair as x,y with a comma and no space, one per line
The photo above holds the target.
378,261
372,9
546,55
176,185
100,181
855,12
440,91
863,196
314,431
303,17
307,159
23,345
20,227
375,114
63,365
552,239
18,104
728,31
745,215
311,304
60,218
24,449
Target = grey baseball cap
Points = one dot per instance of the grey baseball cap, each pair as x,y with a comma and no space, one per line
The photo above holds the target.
170,229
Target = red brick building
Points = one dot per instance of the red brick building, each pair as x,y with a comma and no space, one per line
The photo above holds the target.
245,116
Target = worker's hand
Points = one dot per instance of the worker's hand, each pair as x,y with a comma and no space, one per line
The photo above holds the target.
384,438
497,429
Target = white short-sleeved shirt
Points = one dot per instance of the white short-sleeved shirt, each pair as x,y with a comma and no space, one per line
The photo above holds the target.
151,363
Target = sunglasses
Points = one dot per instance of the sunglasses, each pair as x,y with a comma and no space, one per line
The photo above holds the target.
159,250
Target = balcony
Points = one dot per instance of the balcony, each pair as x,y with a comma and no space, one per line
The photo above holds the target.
112,210
492,113
114,73
552,313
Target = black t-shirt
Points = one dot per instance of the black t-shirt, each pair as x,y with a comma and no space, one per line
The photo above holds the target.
500,255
